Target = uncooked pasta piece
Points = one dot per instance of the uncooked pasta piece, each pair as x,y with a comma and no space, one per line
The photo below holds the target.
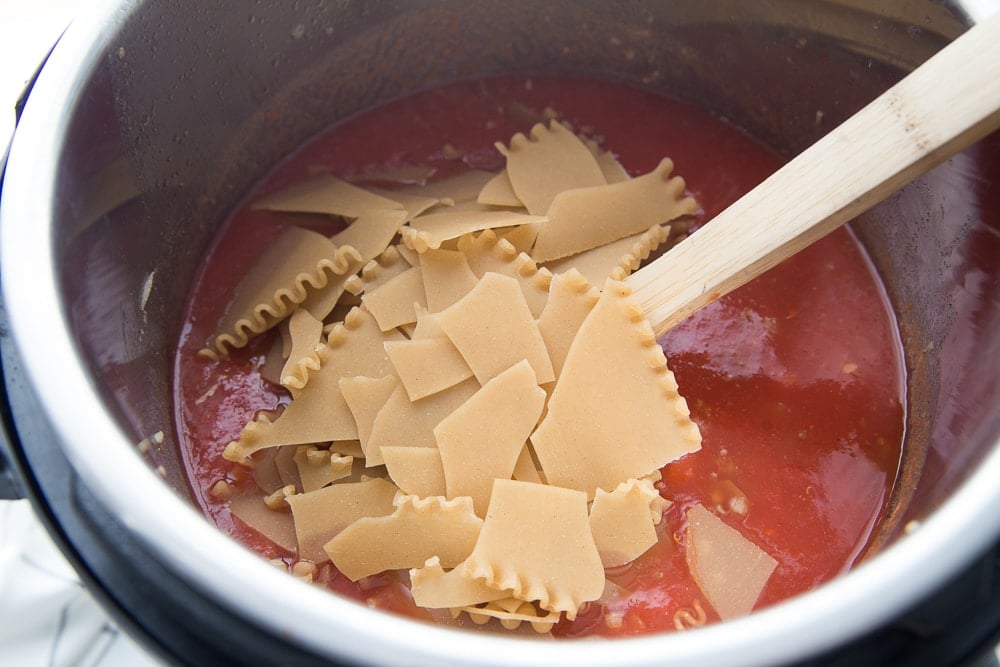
319,467
307,419
345,305
494,329
377,272
372,232
512,615
551,161
522,238
615,412
621,522
614,260
417,471
392,304
482,439
427,366
730,569
486,253
369,235
297,263
404,174
433,588
274,361
320,515
430,231
417,530
499,192
612,169
414,204
525,469
284,463
265,471
536,542
460,188
318,412
585,218
325,194
304,332
276,526
348,448
571,298
406,423
447,278
365,396
427,326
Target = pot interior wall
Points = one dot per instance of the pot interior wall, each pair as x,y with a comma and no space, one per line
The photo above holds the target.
187,109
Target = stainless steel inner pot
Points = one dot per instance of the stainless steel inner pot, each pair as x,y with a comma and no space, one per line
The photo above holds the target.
151,120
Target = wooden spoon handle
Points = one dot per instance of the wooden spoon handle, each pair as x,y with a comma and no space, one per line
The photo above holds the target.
943,106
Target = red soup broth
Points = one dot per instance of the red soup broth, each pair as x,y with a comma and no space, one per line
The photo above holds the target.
795,379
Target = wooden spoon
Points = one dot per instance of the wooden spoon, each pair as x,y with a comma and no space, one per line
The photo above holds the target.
946,104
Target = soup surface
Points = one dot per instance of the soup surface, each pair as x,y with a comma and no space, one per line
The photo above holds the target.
795,380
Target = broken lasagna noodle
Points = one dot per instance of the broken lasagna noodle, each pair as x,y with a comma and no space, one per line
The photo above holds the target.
520,415
475,408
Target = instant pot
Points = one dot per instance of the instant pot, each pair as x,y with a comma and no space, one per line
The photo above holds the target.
149,122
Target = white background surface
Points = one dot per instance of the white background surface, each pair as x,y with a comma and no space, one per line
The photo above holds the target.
47,618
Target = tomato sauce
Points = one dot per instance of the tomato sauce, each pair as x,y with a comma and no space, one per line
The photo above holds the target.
795,380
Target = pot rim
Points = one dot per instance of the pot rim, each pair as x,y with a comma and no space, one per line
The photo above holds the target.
182,539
